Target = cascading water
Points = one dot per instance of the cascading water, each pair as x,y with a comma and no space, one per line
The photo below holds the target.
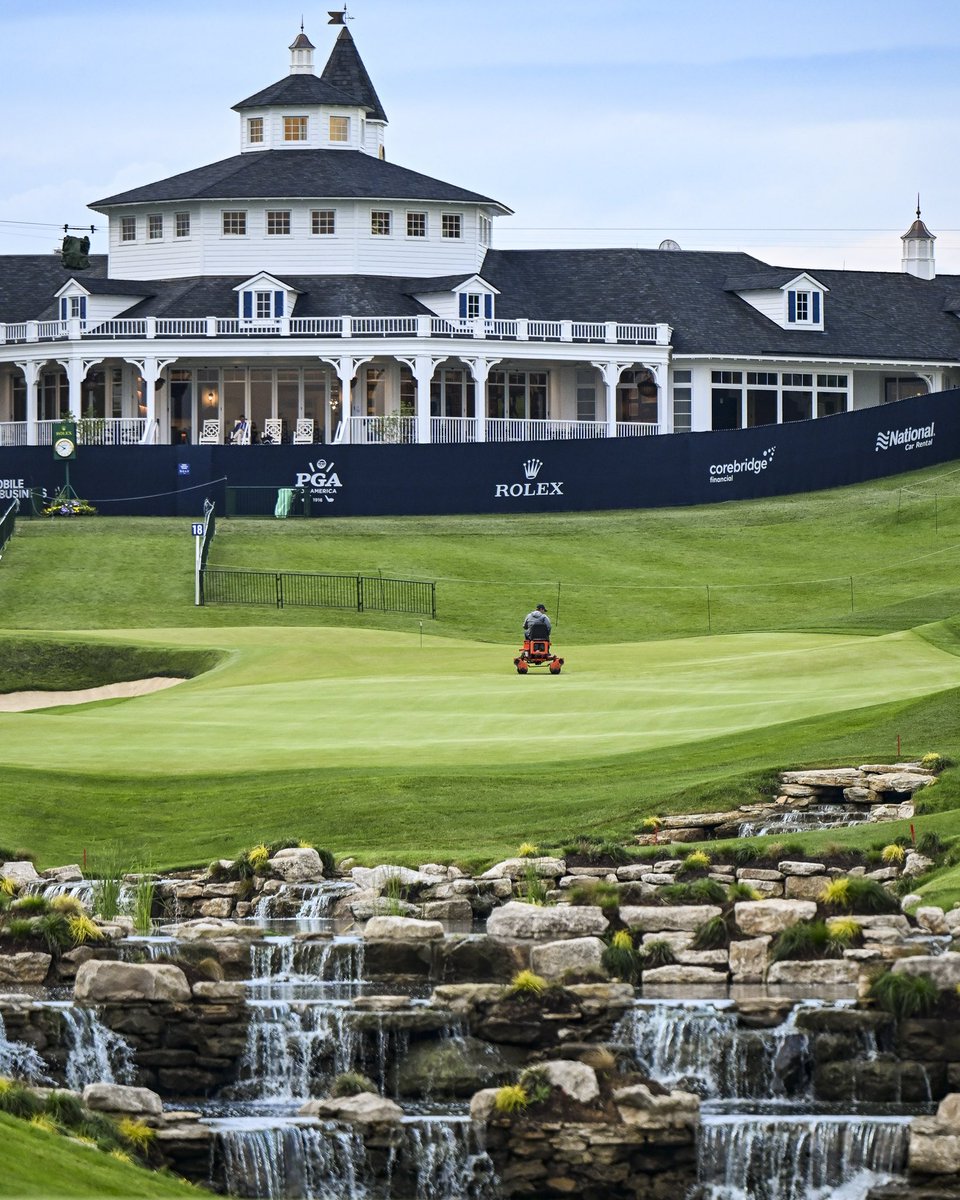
302,901
289,1160
450,1161
95,1053
19,1060
798,1158
802,820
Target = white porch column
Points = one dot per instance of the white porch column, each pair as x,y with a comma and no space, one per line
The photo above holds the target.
31,373
610,373
661,375
423,367
150,371
346,368
480,370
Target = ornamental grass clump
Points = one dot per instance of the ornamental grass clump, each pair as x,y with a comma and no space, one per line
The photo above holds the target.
19,1101
511,1098
805,941
904,995
536,1085
713,934
137,1134
620,958
845,931
527,983
65,1108
893,855
82,929
741,890
30,905
352,1083
70,906
700,891
528,850
599,892
656,954
697,860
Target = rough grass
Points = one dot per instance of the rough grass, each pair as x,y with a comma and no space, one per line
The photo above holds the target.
35,1163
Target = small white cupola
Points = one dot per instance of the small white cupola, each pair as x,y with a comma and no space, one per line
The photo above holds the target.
301,54
917,258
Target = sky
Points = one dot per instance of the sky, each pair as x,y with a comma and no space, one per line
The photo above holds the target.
801,134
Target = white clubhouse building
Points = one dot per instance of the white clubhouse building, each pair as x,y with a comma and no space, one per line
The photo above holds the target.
329,295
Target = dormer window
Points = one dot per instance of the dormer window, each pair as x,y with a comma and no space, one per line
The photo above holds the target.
804,307
474,305
254,130
339,129
294,129
73,306
261,305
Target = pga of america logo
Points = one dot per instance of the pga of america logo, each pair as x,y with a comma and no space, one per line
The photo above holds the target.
910,438
727,472
322,480
532,487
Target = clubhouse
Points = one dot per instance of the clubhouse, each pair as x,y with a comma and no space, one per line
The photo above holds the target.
326,295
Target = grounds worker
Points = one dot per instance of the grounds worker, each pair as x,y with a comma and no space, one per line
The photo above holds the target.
537,617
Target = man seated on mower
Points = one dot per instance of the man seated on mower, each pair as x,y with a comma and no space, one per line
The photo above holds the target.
536,624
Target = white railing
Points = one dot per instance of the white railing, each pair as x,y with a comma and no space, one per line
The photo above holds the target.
383,326
636,429
13,433
317,326
376,431
513,429
444,430
96,431
181,326
516,329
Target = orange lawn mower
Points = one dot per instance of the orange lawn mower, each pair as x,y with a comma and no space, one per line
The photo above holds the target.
536,652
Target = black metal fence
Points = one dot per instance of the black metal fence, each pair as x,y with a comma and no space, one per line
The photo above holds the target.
7,523
302,589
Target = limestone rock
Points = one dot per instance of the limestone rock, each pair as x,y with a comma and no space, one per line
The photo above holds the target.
836,777
637,1105
377,878
943,969
800,868
67,874
362,1109
682,918
933,1153
482,1105
574,1079
703,820
932,919
757,917
297,864
219,906
517,868
449,1067
21,872
748,959
100,981
402,929
805,887
518,920
916,864
677,973
211,929
115,1098
455,909
753,874
570,957
826,972
25,967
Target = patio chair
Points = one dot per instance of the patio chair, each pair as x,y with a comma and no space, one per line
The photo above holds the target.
303,433
211,434
272,431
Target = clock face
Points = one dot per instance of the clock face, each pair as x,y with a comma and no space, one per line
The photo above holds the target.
63,447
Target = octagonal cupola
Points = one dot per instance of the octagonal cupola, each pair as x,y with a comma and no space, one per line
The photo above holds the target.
337,110
917,256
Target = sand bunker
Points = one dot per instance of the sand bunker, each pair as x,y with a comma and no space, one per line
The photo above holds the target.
28,701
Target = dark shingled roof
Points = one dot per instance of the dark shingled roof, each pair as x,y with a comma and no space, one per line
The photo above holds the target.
301,90
346,71
28,283
881,315
772,278
292,174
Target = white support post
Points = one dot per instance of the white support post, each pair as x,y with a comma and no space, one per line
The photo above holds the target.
610,373
76,373
480,369
31,373
423,368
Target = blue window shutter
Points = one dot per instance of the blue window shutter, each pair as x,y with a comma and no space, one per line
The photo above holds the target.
63,308
791,306
248,304
83,308
816,308
488,307
463,304
278,304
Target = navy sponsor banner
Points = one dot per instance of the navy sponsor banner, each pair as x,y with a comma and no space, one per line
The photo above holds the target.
548,476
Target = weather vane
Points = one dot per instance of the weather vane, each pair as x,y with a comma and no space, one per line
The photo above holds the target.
339,18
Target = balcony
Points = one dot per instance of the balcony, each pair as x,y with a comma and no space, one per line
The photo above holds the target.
520,329
402,430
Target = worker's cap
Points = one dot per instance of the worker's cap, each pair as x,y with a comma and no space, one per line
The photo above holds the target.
541,608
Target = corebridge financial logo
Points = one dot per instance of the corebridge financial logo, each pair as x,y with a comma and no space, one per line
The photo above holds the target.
321,481
726,472
532,486
915,437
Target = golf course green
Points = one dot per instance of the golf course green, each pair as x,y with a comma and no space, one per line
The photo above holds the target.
706,649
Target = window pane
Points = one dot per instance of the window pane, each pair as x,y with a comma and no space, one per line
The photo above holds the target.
797,406
726,408
183,224
323,221
416,224
339,129
255,129
450,225
294,129
761,407
380,223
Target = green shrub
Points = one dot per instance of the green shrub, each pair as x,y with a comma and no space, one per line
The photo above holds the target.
746,853
712,935
143,895
932,845
328,862
536,1085
620,957
352,1083
656,954
742,890
535,890
30,906
868,897
904,995
65,1108
21,929
805,941
894,854
700,891
18,1100
54,928
598,892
